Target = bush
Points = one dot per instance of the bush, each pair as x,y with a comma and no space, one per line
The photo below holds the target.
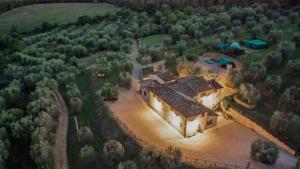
79,51
85,134
286,48
264,151
280,122
87,153
233,78
249,93
273,83
127,165
102,44
273,60
82,20
125,80
109,92
255,71
113,151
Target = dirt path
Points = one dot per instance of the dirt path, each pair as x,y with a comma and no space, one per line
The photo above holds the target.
60,147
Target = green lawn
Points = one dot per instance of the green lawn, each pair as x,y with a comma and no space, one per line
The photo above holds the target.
153,40
29,17
257,55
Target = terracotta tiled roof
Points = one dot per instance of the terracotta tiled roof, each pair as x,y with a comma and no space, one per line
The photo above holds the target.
184,105
193,85
166,76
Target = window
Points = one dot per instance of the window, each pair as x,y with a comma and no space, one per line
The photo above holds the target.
209,122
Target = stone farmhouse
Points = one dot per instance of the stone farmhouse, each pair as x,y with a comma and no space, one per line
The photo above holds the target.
186,103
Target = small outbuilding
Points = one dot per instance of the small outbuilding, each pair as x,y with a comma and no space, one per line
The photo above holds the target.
225,62
255,44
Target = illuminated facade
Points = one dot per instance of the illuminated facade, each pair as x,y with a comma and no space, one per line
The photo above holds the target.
185,103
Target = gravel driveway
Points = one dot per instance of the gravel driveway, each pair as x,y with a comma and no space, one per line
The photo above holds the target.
229,142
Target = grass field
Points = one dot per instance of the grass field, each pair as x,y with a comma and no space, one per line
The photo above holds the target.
153,40
29,17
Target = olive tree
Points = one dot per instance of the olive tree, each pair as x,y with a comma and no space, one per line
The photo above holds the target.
286,48
273,83
109,92
255,71
273,60
296,40
85,134
233,78
125,80
249,93
280,122
127,165
87,153
113,151
4,147
264,151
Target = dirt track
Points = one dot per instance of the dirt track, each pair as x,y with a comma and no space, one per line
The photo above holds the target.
60,147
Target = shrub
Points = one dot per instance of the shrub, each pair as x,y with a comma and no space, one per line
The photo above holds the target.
85,134
125,80
79,51
127,165
102,44
264,151
113,151
87,153
255,71
280,122
273,60
286,48
233,78
273,82
249,93
82,20
109,92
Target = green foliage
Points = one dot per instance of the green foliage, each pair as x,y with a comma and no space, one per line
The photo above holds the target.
85,135
189,10
127,165
11,44
13,91
249,93
79,51
52,13
273,82
125,80
168,159
273,60
286,48
4,148
280,122
264,151
109,92
233,78
87,153
113,151
255,71
82,20
289,100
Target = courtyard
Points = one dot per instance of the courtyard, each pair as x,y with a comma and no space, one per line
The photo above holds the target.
229,142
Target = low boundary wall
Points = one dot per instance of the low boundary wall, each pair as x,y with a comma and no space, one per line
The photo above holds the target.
257,128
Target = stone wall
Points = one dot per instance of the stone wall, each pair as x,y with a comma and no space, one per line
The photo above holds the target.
257,128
